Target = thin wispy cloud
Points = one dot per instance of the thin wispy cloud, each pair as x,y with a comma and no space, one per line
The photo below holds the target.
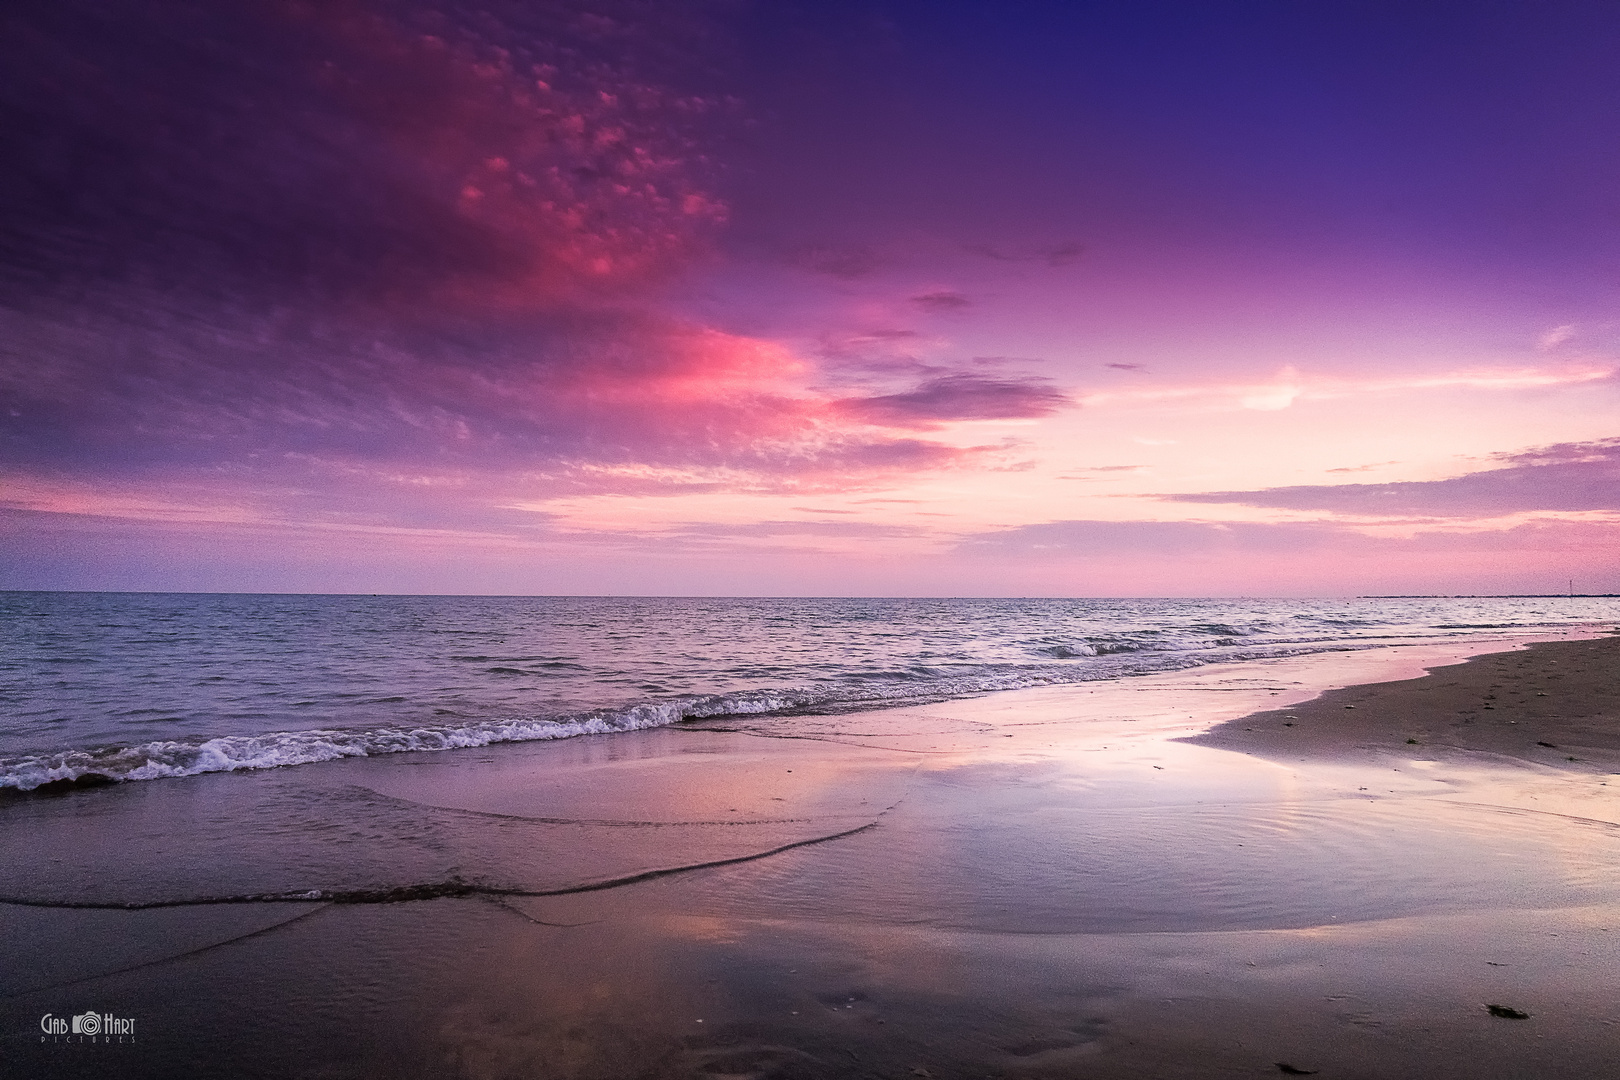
846,262
1305,551
1055,255
1363,468
1292,386
1556,337
959,397
944,300
1101,472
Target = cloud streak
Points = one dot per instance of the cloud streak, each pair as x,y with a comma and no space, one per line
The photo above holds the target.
1291,386
1566,477
1149,540
944,300
959,397
1053,255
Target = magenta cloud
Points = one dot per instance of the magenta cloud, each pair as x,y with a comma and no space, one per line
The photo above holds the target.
375,243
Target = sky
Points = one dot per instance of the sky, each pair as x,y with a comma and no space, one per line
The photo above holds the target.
831,298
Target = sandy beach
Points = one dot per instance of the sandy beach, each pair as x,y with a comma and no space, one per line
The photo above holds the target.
1552,705
1328,864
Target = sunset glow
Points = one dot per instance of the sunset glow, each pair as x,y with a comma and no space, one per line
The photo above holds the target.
848,298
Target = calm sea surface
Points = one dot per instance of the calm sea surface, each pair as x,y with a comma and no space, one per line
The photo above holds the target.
138,686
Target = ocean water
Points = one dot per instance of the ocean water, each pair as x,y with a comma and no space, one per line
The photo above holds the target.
538,907
143,686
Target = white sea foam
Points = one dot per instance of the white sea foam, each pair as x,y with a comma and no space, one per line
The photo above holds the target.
177,686
232,753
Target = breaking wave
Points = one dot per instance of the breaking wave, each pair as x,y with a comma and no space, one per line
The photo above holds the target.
159,759
227,684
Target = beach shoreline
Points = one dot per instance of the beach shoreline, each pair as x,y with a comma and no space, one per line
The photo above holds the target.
1078,880
1552,706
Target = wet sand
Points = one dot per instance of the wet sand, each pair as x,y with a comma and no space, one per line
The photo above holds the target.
1047,883
1554,705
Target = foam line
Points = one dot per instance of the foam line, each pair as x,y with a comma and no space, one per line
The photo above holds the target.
453,887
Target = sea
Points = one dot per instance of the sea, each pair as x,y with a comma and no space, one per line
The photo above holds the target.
116,687
586,837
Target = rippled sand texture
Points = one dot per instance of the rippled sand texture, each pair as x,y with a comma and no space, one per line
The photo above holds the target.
1041,883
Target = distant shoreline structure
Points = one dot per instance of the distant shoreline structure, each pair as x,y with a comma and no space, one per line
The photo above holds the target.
1496,596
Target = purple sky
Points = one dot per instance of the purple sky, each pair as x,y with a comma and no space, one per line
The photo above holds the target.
836,298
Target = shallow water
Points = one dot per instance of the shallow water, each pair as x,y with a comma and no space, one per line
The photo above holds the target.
995,885
1056,810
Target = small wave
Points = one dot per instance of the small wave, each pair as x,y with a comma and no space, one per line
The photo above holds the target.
1110,657
1228,630
65,770
1067,652
1116,648
153,760
232,753
541,661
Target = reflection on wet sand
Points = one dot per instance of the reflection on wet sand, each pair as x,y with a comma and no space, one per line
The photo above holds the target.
1044,883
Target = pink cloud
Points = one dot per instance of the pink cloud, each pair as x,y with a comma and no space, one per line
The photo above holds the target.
576,178
395,255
